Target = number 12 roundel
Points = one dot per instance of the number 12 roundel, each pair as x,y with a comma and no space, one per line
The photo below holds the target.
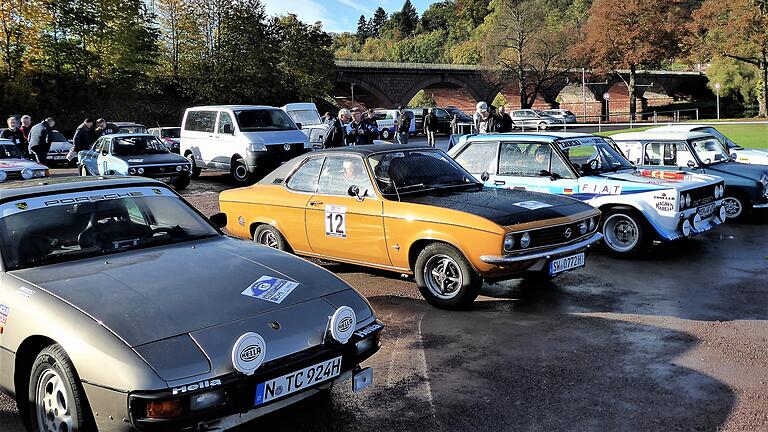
336,221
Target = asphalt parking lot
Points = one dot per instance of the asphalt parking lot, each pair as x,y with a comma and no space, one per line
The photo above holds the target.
675,341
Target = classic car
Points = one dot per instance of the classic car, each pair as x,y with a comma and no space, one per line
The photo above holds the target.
737,152
412,210
60,147
638,206
534,119
746,185
563,115
13,165
169,135
127,127
135,154
97,334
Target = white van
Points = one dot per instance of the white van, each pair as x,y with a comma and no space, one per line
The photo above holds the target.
386,120
240,139
306,116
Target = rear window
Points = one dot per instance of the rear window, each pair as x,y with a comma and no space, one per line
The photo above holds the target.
170,133
200,121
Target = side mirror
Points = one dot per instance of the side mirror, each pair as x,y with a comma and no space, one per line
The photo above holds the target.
227,129
219,220
298,125
734,156
353,191
691,164
485,176
104,152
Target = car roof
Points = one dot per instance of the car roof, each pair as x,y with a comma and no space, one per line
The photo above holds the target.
660,136
14,189
369,149
128,135
529,136
118,124
686,127
232,107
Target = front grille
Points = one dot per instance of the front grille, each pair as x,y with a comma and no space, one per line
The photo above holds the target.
555,235
13,175
702,195
295,149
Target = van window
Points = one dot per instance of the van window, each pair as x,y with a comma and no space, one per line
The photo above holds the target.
225,119
200,121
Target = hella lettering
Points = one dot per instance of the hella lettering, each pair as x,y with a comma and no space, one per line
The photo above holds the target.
196,386
368,330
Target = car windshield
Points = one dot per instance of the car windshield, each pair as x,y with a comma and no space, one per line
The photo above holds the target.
722,138
593,156
36,231
171,133
138,145
709,150
57,136
401,172
457,112
10,151
264,120
136,129
305,117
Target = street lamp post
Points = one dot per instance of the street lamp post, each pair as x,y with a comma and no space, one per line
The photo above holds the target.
717,95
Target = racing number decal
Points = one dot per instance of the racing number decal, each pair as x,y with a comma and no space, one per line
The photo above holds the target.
336,221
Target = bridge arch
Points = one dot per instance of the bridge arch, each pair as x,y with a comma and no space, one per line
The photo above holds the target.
432,81
373,97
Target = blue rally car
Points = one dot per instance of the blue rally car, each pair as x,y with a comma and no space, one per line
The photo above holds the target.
135,155
638,205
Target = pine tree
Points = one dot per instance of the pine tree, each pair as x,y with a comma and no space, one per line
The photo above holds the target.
362,28
378,21
409,19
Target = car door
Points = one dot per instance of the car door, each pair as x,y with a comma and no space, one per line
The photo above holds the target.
90,157
345,227
533,166
199,130
104,156
225,137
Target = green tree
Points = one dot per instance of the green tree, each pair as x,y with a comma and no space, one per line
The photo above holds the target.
362,29
422,99
406,20
439,16
378,21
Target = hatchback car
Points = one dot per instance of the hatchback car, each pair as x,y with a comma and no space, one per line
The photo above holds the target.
533,119
639,206
746,185
561,114
123,308
737,152
412,210
134,155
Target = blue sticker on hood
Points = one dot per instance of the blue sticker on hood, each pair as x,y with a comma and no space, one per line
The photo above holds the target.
270,289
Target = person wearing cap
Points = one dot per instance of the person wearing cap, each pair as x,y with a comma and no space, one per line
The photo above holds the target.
485,122
403,125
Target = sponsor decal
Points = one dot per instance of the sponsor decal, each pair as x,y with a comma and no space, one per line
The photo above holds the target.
25,292
663,175
568,191
248,353
665,206
270,288
135,160
241,221
373,328
601,189
336,221
580,142
342,324
4,311
532,205
196,386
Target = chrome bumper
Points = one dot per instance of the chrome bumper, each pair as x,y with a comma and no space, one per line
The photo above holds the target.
760,205
564,250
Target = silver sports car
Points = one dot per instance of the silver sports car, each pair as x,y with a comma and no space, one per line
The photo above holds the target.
122,308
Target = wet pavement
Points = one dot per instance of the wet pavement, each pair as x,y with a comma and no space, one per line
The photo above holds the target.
674,341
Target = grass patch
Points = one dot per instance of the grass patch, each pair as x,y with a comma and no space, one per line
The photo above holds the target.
747,135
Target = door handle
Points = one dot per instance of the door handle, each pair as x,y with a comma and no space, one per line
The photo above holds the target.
315,203
499,182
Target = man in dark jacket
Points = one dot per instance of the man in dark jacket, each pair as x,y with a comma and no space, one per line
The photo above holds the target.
15,135
505,121
430,127
40,140
335,135
103,128
82,139
485,122
403,125
359,131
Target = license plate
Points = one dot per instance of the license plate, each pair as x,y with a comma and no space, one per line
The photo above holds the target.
706,210
564,264
297,381
57,157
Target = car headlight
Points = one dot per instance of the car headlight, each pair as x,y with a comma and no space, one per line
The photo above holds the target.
583,225
509,242
592,223
206,400
140,170
525,240
186,168
131,171
687,200
764,179
254,147
3,176
178,168
27,173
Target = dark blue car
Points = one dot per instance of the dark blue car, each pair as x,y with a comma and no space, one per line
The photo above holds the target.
135,155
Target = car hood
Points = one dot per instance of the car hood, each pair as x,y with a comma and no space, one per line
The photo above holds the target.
19,164
751,156
157,293
276,137
149,159
745,171
502,206
639,180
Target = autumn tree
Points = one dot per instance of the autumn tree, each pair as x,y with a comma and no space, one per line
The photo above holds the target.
631,34
735,30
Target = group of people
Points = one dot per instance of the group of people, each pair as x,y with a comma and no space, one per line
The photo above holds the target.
350,127
34,141
488,122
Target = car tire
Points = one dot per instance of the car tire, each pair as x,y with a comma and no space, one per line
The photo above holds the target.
445,278
269,236
385,134
194,170
55,393
625,233
83,171
543,126
736,207
182,182
239,173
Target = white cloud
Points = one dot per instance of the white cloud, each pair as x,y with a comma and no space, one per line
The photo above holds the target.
354,5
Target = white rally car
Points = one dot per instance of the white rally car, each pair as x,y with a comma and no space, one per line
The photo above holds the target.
737,152
638,205
13,166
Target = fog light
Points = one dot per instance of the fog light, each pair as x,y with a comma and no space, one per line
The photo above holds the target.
582,227
165,409
723,215
178,168
131,171
697,222
525,240
509,242
342,324
3,176
206,400
364,345
687,228
140,170
27,173
687,200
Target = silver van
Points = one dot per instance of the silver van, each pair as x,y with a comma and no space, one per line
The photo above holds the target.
240,139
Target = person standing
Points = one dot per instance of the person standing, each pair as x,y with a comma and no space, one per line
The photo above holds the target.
430,127
372,125
103,128
360,132
505,121
335,134
26,126
403,125
15,135
484,121
40,140
82,139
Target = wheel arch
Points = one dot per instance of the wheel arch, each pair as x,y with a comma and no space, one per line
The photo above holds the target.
25,356
419,245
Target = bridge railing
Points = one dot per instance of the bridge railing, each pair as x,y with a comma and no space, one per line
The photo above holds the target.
673,116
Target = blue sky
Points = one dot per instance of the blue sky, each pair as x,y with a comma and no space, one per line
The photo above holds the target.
337,15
